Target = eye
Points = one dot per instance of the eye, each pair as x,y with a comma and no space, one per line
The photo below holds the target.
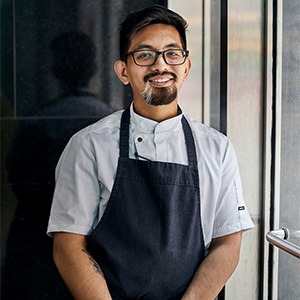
174,54
144,54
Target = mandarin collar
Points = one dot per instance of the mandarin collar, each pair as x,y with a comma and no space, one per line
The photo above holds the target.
150,126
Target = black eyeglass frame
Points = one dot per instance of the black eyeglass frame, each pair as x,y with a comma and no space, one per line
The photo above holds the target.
185,54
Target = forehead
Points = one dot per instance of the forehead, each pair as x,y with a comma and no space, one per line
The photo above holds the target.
156,36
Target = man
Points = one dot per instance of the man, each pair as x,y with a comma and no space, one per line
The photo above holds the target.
148,202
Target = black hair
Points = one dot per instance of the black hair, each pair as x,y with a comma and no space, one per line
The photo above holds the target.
156,14
74,55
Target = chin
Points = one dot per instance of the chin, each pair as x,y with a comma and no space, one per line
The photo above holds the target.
160,96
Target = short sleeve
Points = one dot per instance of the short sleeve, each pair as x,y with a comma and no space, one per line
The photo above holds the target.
231,212
76,196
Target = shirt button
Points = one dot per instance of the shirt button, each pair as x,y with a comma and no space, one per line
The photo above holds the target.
139,139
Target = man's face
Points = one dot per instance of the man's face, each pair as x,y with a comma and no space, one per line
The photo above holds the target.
160,83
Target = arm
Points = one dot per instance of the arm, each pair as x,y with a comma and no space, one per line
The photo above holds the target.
216,268
79,270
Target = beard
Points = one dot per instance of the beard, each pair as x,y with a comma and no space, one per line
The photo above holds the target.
159,96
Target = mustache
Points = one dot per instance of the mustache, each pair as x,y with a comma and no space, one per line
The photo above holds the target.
146,78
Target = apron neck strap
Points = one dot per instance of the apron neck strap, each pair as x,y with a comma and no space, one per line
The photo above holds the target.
189,140
124,133
124,138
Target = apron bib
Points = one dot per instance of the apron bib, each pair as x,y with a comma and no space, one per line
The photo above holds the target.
149,242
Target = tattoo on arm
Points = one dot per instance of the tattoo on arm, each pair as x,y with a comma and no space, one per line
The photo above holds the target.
95,264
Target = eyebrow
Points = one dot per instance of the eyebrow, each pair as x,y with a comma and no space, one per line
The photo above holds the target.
146,46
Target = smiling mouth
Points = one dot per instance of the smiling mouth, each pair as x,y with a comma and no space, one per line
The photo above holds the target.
160,80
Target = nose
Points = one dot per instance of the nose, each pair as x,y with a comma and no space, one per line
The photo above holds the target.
160,63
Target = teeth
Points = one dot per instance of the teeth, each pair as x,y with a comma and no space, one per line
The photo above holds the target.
160,80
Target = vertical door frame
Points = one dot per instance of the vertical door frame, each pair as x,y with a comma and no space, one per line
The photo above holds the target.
272,145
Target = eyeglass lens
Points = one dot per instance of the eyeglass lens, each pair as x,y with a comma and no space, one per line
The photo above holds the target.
148,57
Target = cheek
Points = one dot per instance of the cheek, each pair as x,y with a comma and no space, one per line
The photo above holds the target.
181,77
136,81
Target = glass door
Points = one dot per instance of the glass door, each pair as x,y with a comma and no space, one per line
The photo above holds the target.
289,217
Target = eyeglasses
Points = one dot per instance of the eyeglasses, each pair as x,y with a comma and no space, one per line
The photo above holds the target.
172,57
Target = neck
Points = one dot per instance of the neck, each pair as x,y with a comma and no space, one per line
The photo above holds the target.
156,113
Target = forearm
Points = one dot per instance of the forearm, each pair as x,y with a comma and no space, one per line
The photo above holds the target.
78,269
215,269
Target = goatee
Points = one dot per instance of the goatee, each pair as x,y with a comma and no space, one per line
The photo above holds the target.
159,96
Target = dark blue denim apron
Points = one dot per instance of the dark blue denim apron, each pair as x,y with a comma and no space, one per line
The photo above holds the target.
149,242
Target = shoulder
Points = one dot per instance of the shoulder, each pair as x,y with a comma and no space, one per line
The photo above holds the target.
103,134
205,133
106,125
213,147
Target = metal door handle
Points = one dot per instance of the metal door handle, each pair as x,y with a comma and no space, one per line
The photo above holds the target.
280,238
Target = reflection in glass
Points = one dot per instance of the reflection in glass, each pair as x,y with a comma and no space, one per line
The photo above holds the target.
31,160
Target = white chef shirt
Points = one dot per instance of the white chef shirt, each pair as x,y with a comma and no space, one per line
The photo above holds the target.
87,168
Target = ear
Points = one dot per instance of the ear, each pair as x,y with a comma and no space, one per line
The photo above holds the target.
187,68
120,68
